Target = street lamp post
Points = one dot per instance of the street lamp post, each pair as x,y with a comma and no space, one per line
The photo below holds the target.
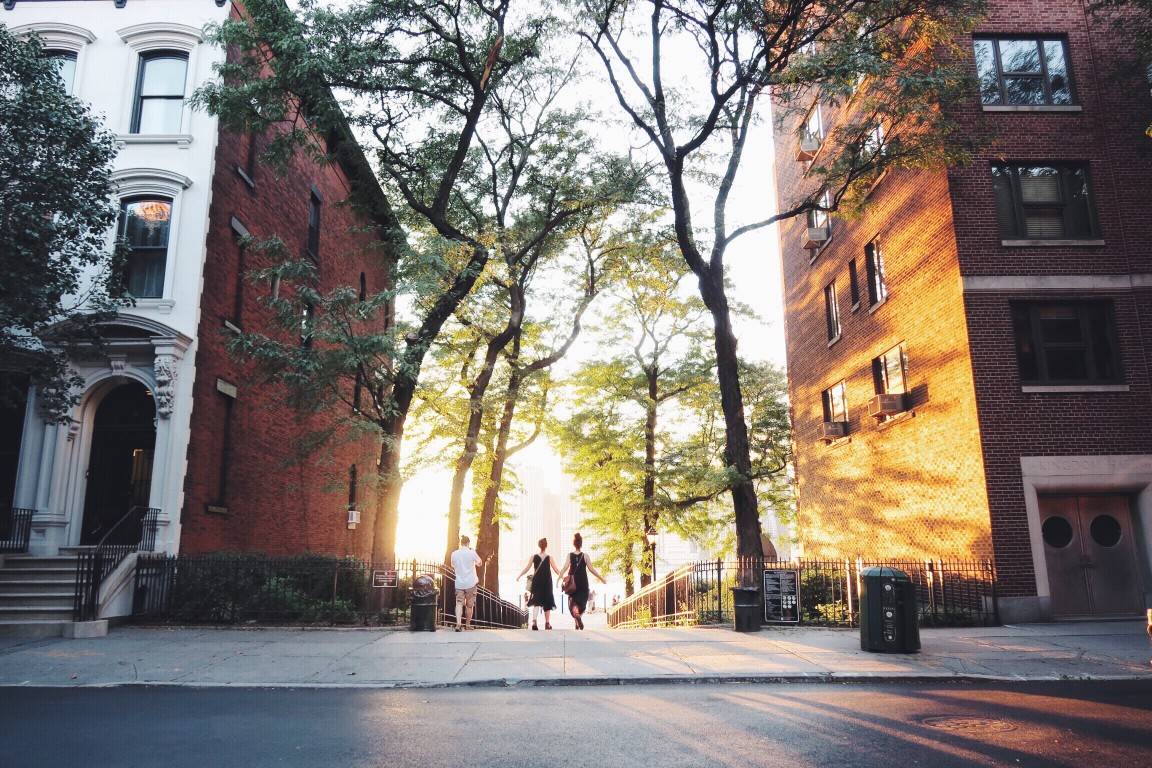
651,536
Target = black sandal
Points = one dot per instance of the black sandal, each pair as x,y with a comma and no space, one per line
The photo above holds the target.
534,627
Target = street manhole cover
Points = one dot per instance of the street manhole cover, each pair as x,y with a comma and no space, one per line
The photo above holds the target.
960,723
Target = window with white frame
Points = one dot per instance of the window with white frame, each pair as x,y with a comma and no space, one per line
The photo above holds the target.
145,225
831,312
65,62
890,371
836,402
1043,202
814,124
160,83
1029,71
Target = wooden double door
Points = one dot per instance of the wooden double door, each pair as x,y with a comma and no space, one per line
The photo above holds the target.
1091,554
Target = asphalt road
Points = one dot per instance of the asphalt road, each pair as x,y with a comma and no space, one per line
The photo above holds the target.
1043,725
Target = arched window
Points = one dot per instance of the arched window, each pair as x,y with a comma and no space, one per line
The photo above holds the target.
65,66
145,223
159,102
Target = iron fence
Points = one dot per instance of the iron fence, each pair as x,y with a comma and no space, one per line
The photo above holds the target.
948,593
135,532
15,529
246,588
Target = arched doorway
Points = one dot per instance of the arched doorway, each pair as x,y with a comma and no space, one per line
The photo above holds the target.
120,461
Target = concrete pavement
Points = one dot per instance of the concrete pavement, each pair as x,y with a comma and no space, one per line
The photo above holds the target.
390,658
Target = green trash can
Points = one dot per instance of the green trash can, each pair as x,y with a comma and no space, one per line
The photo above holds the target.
422,610
888,612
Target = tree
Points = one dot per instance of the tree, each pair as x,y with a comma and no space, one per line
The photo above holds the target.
643,437
690,77
457,102
59,277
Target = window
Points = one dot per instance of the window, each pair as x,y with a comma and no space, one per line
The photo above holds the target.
144,225
874,266
159,105
831,312
853,285
836,403
1043,202
814,124
314,227
1066,343
889,371
874,145
1023,71
65,62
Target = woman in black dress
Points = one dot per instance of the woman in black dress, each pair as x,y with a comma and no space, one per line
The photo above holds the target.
540,595
580,566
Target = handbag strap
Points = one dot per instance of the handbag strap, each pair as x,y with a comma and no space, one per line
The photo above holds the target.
537,568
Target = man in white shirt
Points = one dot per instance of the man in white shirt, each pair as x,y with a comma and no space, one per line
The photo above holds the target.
464,563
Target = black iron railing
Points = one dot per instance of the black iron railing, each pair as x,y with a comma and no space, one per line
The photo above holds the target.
15,529
135,532
948,593
252,588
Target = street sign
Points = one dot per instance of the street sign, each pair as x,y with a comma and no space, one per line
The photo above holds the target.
382,579
782,595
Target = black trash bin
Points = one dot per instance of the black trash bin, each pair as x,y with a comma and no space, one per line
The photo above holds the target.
888,611
423,605
747,609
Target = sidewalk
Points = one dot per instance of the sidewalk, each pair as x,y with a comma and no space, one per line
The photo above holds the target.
387,658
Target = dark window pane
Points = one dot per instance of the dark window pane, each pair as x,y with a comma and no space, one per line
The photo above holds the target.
145,224
1105,530
1024,90
1005,202
1019,56
1066,364
1060,325
1025,343
1058,82
986,70
1100,338
1079,209
1057,532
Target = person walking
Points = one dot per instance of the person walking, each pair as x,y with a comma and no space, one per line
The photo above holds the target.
579,565
464,563
540,595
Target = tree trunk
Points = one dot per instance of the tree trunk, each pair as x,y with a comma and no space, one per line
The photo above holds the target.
388,509
652,374
489,534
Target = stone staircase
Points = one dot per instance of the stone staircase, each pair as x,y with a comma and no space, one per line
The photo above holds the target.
37,594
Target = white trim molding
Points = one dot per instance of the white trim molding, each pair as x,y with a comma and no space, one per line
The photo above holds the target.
1033,283
148,37
55,35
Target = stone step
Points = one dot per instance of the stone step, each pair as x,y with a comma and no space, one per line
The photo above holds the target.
47,573
42,586
45,600
36,613
24,562
34,628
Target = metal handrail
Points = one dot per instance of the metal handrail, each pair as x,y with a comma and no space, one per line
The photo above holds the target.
16,530
93,565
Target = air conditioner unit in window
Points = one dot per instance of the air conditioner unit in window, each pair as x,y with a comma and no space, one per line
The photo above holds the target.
808,149
886,405
832,430
353,518
817,236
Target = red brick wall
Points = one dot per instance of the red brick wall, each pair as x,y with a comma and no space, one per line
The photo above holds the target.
274,504
948,480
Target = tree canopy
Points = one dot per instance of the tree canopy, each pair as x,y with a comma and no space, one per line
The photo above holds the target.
59,274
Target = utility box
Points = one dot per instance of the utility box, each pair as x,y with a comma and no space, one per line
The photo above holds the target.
888,612
747,609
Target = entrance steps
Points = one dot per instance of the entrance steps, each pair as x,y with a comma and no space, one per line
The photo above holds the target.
38,595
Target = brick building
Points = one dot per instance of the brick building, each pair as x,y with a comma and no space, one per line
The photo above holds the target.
168,420
968,365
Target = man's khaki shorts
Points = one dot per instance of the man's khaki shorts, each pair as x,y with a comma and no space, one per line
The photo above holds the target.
467,597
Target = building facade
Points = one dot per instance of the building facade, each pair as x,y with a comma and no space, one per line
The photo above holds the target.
968,359
168,419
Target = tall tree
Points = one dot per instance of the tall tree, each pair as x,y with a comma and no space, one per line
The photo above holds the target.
643,438
458,101
691,75
59,279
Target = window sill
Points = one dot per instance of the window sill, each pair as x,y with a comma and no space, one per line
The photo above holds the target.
1033,108
1050,243
216,509
894,419
833,340
1069,389
873,307
247,179
855,306
163,306
181,140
